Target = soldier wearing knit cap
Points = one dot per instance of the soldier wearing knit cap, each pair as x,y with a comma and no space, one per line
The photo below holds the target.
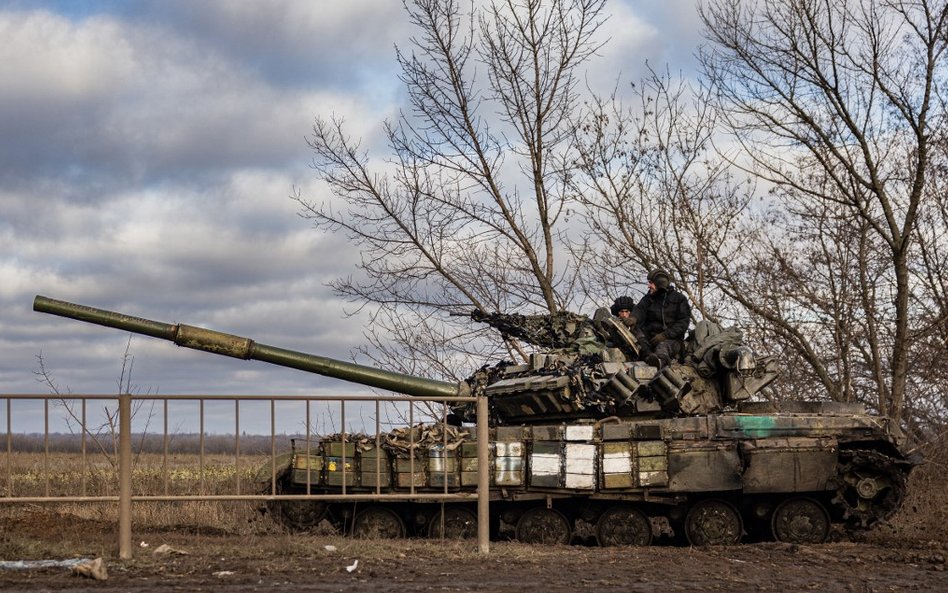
622,307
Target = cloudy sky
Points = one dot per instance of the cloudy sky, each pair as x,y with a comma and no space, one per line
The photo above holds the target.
148,149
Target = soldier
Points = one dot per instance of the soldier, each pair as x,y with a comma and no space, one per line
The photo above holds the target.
622,308
661,319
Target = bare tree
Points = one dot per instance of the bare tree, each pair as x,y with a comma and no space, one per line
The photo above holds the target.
79,423
655,192
927,398
469,211
834,103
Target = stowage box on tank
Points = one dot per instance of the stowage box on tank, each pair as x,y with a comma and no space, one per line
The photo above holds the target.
586,440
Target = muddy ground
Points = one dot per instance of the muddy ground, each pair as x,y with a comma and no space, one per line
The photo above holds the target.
213,561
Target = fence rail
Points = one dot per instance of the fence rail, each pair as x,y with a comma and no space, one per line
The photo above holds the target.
119,423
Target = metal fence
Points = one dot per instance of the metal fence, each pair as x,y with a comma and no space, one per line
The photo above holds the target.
119,421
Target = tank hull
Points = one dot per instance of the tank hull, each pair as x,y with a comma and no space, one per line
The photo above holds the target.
714,479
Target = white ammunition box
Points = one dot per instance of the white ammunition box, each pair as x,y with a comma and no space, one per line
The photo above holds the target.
508,463
580,432
580,466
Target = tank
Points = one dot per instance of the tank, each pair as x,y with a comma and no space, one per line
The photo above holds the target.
587,442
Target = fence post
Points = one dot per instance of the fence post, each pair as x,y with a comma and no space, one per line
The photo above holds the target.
483,476
125,476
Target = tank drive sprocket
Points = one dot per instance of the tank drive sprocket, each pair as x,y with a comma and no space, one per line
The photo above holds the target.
871,487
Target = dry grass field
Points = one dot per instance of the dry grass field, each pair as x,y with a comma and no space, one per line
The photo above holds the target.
69,474
218,545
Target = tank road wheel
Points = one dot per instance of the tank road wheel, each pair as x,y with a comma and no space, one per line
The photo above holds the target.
453,523
623,525
800,520
298,515
378,522
713,523
871,487
541,525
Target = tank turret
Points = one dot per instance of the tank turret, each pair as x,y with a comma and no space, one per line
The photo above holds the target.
591,368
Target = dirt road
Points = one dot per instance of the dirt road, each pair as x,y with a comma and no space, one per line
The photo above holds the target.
301,563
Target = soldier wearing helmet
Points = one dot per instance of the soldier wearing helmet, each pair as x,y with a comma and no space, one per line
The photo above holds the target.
661,319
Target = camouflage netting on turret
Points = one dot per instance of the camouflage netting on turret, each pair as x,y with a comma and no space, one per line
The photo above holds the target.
559,331
592,368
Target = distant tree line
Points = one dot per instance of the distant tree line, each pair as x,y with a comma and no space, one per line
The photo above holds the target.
214,444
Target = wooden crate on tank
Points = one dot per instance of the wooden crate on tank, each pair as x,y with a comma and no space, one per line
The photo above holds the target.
508,463
650,459
336,468
375,469
338,449
307,468
546,464
469,463
443,467
617,465
340,463
410,472
580,466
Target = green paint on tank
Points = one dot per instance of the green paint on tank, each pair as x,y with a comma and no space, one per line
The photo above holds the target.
756,426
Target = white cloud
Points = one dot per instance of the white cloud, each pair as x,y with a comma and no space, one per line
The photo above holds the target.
150,173
106,101
631,42
674,33
48,59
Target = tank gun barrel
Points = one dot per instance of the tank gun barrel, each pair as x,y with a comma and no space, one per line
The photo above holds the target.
216,342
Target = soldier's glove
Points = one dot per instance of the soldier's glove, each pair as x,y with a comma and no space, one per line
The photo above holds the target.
629,321
657,339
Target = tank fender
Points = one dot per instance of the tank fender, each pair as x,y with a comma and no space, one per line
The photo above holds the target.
266,472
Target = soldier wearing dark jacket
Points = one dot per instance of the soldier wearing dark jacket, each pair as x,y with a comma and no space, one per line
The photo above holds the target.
662,318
